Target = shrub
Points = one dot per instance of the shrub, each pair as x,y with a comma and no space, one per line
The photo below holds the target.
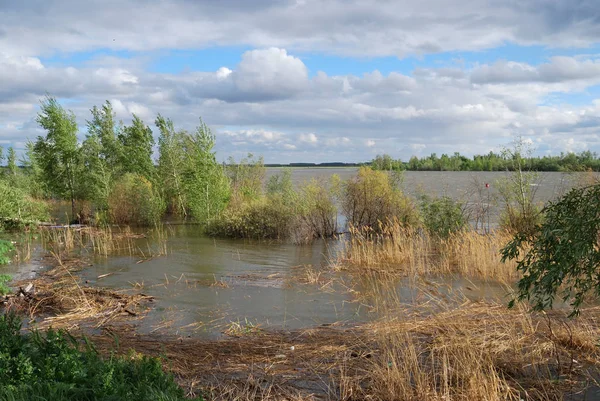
371,198
134,201
265,218
51,366
4,280
562,254
316,210
18,209
443,216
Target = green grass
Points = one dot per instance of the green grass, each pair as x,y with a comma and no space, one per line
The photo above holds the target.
55,366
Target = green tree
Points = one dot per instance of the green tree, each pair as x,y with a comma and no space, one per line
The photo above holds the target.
136,156
100,156
171,165
57,152
562,254
204,179
103,126
11,162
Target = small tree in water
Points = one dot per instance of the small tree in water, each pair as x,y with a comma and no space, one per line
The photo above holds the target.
57,153
562,254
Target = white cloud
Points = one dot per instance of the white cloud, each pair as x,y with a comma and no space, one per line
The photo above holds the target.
348,27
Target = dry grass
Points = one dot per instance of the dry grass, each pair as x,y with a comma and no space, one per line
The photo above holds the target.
60,299
62,242
404,250
474,351
483,352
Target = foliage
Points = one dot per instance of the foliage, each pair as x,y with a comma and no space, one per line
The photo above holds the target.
17,208
281,184
386,163
269,217
171,165
246,177
5,248
562,254
33,173
100,156
133,200
443,216
4,280
57,152
489,162
11,162
135,142
517,191
316,210
204,180
56,366
371,198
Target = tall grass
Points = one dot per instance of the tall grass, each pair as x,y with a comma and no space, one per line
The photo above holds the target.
62,242
394,247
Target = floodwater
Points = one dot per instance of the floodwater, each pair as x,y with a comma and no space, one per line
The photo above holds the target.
205,286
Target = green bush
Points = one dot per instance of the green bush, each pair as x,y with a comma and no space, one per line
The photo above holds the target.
17,209
56,366
371,198
269,217
316,210
4,280
561,255
443,216
134,201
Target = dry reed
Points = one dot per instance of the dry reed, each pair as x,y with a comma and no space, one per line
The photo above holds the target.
395,248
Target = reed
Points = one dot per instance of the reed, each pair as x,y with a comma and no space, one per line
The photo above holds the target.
63,242
400,249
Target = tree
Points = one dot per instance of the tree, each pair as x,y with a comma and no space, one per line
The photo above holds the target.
562,254
11,161
171,164
136,156
204,179
102,125
57,153
100,155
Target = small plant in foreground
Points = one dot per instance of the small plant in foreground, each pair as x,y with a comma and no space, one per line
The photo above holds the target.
56,366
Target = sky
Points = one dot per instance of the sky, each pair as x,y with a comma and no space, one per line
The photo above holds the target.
314,80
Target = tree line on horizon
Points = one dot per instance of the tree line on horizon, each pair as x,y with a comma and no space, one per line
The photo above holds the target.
502,161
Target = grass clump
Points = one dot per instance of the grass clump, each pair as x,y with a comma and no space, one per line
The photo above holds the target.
56,366
134,201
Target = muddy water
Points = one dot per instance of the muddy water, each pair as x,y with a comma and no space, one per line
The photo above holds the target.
204,286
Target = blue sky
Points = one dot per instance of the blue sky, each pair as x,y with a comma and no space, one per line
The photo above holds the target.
308,80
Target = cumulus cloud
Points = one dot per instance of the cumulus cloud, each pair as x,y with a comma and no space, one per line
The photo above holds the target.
323,117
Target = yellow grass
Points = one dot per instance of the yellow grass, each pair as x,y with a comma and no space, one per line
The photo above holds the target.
405,250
